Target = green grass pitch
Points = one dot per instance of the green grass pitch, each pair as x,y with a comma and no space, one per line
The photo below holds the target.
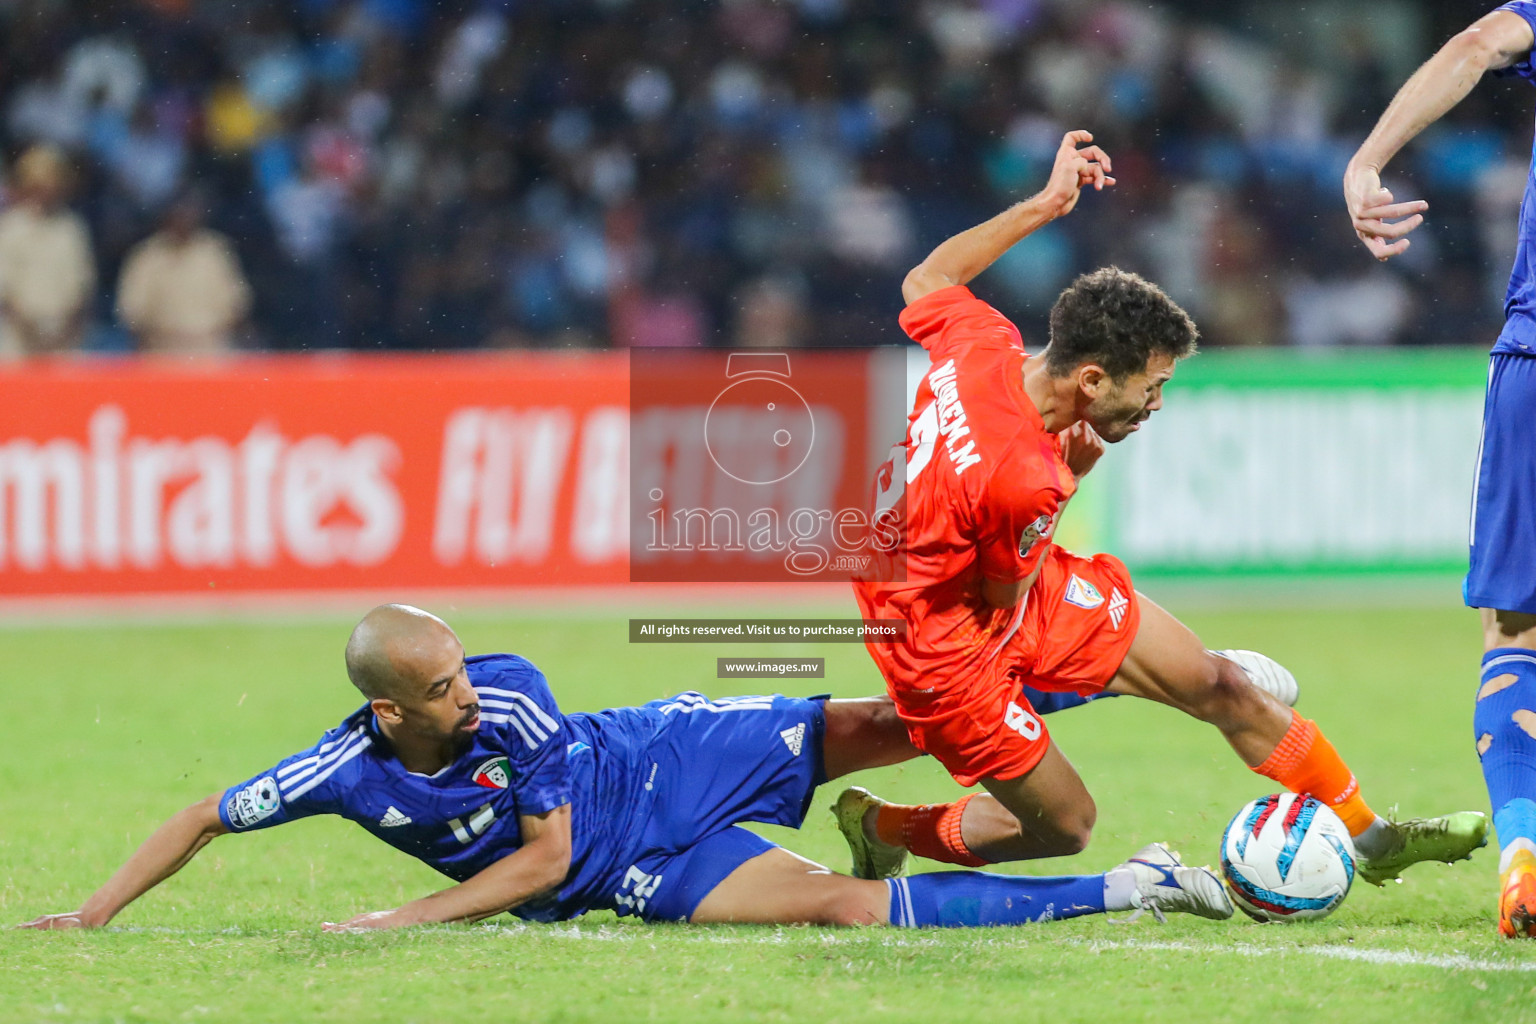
108,729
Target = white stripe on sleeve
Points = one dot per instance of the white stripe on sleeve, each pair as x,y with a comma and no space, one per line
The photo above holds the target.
515,722
343,759
321,763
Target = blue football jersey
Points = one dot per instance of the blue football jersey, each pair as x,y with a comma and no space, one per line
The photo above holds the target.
1519,334
527,758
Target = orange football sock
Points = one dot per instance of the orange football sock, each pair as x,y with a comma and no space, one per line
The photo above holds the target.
1305,762
928,830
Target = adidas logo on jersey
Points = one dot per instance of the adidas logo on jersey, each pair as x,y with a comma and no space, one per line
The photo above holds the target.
794,738
393,818
1117,606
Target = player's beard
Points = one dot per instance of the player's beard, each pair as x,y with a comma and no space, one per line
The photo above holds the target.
1114,418
1117,428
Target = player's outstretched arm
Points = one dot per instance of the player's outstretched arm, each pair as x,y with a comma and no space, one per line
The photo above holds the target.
961,258
1494,41
537,867
163,854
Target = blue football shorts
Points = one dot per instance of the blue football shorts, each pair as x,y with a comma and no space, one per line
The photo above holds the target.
718,764
1502,573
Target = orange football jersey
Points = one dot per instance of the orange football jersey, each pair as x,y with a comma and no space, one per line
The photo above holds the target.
983,482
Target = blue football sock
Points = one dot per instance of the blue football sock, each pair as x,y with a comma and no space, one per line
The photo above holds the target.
1504,728
975,899
1046,702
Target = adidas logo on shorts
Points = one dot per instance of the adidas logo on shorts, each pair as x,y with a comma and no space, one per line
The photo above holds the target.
794,738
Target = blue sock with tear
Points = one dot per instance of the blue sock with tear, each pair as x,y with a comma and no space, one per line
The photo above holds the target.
1504,727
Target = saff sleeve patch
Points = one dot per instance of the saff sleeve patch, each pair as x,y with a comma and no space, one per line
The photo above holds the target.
255,803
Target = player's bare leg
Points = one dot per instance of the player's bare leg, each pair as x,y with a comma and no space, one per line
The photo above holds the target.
1504,724
1168,663
863,733
1047,812
779,887
1508,629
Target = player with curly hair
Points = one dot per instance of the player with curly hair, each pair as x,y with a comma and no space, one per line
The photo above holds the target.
995,612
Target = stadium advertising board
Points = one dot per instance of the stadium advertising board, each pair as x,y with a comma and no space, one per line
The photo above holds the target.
498,471
1284,463
1345,461
343,472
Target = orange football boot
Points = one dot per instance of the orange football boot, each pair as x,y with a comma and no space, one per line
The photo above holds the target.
1517,899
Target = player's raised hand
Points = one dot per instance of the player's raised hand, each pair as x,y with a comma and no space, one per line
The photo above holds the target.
1074,170
1377,218
1081,447
55,922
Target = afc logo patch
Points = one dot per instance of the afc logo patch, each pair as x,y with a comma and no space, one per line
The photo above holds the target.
1041,527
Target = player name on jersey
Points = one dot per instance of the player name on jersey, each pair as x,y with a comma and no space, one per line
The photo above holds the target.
951,417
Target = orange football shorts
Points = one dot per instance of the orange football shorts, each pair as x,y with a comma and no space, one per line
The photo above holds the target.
1076,626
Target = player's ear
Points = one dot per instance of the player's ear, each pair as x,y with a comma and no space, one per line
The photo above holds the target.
1092,380
386,710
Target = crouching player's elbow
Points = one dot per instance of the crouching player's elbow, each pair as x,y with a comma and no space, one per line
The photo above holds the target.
546,852
555,865
205,813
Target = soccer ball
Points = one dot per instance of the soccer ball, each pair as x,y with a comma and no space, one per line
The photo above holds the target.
1287,858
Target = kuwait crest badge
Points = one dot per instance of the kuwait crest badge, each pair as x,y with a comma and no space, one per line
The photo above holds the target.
494,774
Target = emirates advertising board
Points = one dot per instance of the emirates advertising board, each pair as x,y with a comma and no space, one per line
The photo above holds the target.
304,473
297,473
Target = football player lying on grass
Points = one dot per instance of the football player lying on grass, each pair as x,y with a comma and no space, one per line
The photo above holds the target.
468,765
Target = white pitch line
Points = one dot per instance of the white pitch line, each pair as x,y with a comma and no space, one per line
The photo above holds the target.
926,938
1383,957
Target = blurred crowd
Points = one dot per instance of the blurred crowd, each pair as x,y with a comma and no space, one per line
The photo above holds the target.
199,175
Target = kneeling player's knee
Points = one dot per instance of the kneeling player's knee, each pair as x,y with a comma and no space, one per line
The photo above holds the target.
1221,691
1079,831
1069,828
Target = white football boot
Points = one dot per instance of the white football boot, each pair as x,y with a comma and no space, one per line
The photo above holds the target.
1165,886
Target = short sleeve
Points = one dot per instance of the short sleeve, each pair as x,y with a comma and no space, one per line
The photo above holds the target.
1520,69
296,787
952,319
515,697
1015,522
